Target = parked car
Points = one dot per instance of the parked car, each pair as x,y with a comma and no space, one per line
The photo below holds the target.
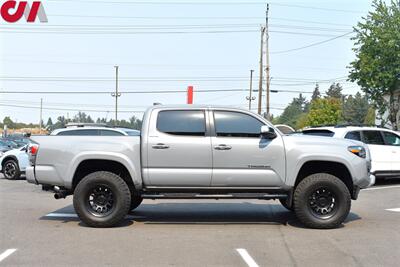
96,130
8,143
384,145
19,141
3,148
201,152
14,162
285,129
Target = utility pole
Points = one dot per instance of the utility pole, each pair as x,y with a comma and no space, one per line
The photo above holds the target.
268,80
261,70
250,97
41,113
116,94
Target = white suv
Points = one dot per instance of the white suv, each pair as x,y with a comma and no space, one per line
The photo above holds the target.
384,146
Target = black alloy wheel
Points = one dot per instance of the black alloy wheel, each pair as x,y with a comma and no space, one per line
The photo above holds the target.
100,201
11,170
322,203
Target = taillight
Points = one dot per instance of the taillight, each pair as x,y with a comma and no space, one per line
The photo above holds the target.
32,152
33,149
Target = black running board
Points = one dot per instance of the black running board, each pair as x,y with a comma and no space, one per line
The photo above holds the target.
214,196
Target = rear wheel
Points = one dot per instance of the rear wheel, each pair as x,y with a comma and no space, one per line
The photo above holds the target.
11,170
102,199
322,201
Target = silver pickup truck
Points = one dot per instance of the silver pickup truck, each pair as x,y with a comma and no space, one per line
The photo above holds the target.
198,152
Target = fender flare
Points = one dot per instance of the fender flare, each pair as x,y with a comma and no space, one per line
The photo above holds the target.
111,156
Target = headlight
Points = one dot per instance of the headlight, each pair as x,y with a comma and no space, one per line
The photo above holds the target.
358,150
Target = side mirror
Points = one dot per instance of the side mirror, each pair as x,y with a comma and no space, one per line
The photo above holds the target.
268,132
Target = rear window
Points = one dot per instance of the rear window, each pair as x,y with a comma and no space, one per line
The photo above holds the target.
86,132
373,138
319,133
110,133
182,122
392,139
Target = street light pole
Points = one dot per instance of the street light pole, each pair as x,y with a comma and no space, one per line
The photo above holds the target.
41,117
268,80
116,94
250,97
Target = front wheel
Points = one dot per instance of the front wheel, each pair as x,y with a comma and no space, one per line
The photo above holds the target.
11,170
102,199
322,201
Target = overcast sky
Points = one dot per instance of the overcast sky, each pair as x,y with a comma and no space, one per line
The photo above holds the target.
168,45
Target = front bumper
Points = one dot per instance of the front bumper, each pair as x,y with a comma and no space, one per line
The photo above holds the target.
367,183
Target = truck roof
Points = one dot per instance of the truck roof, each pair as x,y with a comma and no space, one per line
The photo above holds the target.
200,106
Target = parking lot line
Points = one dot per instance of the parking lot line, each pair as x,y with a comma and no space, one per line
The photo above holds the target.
62,215
381,187
246,257
74,215
7,253
395,210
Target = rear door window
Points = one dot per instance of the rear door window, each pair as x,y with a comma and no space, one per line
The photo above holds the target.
182,122
373,138
356,135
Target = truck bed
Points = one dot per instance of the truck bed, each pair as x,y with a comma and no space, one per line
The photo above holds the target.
59,156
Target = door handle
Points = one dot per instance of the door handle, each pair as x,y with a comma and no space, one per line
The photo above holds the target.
222,147
160,146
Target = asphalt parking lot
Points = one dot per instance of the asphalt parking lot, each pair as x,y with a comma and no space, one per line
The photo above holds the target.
37,230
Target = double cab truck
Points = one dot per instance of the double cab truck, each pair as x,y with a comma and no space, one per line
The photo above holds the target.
198,152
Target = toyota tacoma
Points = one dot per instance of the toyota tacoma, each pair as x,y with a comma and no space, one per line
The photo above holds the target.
198,152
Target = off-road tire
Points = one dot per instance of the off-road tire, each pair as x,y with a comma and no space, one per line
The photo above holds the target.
283,202
121,199
17,172
135,201
303,195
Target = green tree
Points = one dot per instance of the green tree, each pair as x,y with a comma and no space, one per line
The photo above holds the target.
376,68
8,121
49,124
82,117
60,123
335,91
370,118
316,94
355,109
325,111
293,111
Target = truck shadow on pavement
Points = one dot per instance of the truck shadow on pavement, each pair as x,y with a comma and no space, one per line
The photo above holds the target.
212,213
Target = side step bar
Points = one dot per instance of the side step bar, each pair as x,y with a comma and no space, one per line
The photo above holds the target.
214,196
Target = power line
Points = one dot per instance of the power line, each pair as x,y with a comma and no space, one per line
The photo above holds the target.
69,109
155,78
163,27
318,8
230,3
90,110
122,92
311,45
197,18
